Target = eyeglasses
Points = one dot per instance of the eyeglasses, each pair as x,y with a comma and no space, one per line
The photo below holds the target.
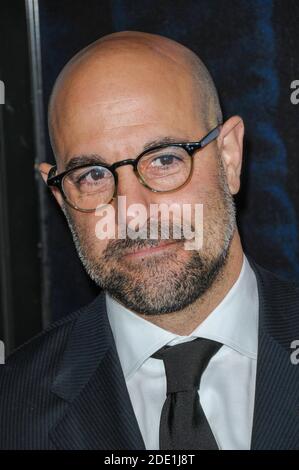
164,168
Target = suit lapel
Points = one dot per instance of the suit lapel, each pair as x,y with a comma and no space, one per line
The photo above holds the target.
96,409
276,412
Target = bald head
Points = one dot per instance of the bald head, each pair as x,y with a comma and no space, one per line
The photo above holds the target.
117,67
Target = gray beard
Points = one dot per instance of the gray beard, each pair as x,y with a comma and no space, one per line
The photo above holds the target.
157,286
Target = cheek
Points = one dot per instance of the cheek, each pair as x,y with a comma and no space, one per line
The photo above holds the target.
206,174
90,235
203,184
203,189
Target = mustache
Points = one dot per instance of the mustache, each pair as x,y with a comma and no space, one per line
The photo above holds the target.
142,238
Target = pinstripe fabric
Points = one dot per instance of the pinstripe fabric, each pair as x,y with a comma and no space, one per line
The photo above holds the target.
276,413
65,388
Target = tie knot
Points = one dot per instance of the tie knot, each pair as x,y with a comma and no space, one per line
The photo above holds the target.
185,363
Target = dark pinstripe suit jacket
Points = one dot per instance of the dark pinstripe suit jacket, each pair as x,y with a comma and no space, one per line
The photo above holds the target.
65,388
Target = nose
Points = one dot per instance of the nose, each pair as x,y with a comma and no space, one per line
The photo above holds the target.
132,198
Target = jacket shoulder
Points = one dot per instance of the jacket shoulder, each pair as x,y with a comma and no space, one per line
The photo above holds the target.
45,347
267,277
28,406
279,304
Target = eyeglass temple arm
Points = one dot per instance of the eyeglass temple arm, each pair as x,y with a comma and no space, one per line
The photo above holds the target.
210,136
51,173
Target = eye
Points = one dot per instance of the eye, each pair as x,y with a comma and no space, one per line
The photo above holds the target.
92,176
165,160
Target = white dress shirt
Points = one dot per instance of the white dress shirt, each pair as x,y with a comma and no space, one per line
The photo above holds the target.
227,385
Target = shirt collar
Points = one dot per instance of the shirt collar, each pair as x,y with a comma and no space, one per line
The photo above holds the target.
234,322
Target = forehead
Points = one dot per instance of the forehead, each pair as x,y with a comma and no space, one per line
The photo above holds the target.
126,98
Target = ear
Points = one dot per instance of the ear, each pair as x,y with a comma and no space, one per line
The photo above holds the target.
44,169
231,148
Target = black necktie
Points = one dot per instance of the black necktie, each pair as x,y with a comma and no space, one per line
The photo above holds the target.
183,424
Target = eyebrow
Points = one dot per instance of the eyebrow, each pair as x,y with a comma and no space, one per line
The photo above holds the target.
85,160
96,159
164,140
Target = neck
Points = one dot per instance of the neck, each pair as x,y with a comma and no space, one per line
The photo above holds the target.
183,322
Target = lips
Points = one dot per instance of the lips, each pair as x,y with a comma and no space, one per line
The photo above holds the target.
151,249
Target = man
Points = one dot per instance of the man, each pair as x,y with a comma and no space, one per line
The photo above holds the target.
184,348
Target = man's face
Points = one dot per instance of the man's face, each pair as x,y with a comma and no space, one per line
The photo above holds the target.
113,107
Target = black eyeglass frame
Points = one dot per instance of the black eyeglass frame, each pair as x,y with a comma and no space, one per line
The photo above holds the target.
189,147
